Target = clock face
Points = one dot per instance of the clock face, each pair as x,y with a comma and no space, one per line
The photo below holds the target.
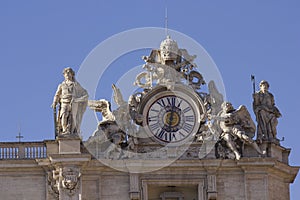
171,118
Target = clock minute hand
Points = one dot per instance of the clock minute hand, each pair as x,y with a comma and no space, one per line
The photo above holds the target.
171,118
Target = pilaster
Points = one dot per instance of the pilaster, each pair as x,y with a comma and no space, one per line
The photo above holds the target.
134,186
66,161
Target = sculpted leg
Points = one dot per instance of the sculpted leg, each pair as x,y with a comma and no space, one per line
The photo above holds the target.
255,146
64,122
65,119
248,140
231,145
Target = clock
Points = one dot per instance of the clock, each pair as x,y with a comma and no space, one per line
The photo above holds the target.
172,116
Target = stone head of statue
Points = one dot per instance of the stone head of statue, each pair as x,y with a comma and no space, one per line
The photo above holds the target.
103,106
69,74
264,86
227,107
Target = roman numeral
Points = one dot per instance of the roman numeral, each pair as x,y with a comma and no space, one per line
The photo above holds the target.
167,136
154,126
187,109
152,118
187,127
160,133
178,106
154,110
172,137
182,135
171,101
189,118
161,102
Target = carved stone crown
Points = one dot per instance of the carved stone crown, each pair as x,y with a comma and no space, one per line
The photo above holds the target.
169,49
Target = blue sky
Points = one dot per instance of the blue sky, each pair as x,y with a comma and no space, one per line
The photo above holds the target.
38,39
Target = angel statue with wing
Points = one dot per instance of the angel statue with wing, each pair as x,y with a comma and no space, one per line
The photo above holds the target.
237,124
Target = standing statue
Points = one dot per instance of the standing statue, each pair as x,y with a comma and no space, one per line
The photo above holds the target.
236,124
72,100
266,113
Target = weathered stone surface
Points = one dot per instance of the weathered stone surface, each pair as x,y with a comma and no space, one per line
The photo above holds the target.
251,178
69,146
23,186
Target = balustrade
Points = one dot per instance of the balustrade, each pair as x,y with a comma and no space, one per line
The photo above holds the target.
22,150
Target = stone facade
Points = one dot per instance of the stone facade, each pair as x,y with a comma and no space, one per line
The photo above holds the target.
250,178
22,180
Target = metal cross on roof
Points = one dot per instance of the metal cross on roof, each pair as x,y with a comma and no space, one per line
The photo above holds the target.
19,136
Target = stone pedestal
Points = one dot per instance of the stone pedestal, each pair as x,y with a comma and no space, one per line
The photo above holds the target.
69,145
276,151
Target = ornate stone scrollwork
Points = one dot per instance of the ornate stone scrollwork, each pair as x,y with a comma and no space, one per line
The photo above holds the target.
53,182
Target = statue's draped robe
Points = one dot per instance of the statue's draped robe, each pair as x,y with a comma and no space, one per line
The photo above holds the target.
266,115
77,97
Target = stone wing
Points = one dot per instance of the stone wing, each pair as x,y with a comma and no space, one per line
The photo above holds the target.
246,121
118,97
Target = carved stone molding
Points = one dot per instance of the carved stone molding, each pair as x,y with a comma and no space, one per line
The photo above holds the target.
173,195
53,183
